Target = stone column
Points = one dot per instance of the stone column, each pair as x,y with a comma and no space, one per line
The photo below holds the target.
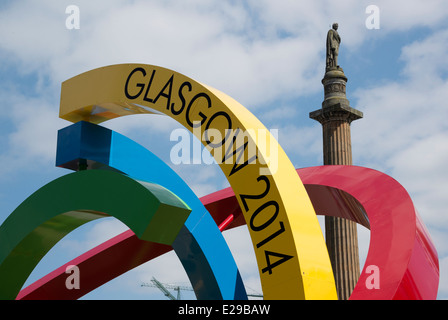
341,236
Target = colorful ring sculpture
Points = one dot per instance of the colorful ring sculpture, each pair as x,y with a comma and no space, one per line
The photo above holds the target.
288,242
152,212
200,245
400,246
409,267
270,197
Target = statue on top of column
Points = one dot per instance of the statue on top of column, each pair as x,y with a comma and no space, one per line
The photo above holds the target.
333,42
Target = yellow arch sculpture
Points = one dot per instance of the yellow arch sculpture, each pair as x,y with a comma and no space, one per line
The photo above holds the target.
289,245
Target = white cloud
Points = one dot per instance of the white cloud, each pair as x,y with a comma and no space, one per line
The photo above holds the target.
404,126
302,144
273,48
221,45
31,143
240,245
403,15
87,237
404,133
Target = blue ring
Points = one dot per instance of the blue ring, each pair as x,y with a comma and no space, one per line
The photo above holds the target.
200,246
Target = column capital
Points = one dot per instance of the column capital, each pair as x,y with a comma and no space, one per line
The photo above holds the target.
334,112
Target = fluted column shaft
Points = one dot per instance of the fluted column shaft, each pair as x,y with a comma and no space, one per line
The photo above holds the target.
341,235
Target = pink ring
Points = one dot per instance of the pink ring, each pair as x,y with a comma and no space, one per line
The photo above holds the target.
400,249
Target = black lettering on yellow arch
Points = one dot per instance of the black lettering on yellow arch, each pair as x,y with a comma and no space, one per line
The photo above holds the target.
289,245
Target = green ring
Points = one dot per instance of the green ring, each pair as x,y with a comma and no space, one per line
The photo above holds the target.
152,212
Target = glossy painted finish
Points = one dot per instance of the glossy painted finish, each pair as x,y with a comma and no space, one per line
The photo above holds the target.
200,245
288,269
400,247
151,212
402,250
98,266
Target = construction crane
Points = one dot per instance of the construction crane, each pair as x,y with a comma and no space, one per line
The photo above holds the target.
164,288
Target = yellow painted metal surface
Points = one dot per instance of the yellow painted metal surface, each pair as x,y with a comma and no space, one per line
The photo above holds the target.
289,245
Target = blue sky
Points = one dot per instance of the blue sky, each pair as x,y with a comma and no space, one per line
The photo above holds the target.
268,55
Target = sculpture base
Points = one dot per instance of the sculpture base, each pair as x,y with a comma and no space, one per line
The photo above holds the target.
335,71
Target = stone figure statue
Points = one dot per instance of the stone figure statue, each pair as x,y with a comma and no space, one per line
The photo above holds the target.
333,42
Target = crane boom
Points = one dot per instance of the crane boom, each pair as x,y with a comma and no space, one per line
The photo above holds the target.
164,288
